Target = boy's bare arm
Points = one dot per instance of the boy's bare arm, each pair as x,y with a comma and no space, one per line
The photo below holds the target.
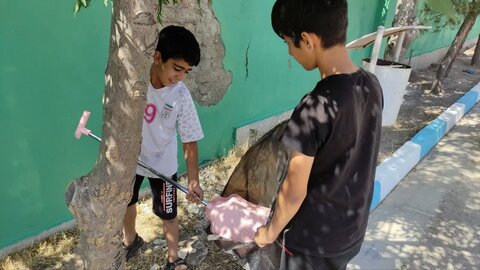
190,151
290,197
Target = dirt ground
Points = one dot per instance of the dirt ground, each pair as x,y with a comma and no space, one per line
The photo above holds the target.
418,109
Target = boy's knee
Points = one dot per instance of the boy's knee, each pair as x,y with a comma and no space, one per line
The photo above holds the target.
169,221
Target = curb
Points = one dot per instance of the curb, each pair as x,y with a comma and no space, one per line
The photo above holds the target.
393,169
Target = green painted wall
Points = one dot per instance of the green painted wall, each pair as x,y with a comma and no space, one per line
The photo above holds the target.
275,82
51,69
432,40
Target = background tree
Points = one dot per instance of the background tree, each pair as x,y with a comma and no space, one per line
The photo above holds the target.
476,54
99,199
450,13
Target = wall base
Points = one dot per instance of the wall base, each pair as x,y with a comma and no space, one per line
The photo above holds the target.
425,60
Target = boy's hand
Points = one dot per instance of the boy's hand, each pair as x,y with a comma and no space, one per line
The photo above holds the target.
264,237
195,193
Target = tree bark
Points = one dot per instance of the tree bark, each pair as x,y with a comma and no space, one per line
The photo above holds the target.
452,53
99,199
476,54
406,14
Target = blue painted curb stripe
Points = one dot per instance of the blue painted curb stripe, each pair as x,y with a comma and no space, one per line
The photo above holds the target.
469,100
376,195
429,136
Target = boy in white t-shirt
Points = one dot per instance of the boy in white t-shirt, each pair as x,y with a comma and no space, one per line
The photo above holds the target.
169,108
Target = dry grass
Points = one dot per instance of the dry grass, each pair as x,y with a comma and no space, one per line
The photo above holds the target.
58,251
52,253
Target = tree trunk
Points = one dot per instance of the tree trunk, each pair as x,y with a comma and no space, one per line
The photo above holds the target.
99,199
452,53
406,14
476,54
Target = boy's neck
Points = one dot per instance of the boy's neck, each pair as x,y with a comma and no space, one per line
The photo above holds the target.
154,80
335,60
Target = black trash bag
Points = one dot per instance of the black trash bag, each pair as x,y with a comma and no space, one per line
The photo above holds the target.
256,178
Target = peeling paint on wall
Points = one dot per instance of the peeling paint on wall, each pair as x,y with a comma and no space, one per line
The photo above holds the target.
208,82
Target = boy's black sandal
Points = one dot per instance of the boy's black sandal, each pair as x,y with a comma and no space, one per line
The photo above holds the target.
133,248
177,262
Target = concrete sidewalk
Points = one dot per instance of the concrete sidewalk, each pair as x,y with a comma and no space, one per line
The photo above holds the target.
431,220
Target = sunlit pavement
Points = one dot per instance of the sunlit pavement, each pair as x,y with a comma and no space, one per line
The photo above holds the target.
431,220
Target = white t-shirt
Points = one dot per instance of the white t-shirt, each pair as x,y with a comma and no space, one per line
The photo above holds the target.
168,109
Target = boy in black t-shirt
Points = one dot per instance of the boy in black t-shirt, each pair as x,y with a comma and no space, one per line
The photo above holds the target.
323,204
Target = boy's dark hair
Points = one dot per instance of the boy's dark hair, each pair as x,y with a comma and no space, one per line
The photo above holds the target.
178,43
325,18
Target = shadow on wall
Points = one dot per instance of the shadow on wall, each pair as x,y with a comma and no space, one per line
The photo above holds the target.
208,82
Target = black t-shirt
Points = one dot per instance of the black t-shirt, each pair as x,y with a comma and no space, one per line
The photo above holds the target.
339,123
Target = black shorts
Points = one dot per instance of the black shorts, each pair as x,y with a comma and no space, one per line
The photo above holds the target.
164,196
301,261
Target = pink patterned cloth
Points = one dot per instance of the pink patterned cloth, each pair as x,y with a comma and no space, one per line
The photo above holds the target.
235,218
